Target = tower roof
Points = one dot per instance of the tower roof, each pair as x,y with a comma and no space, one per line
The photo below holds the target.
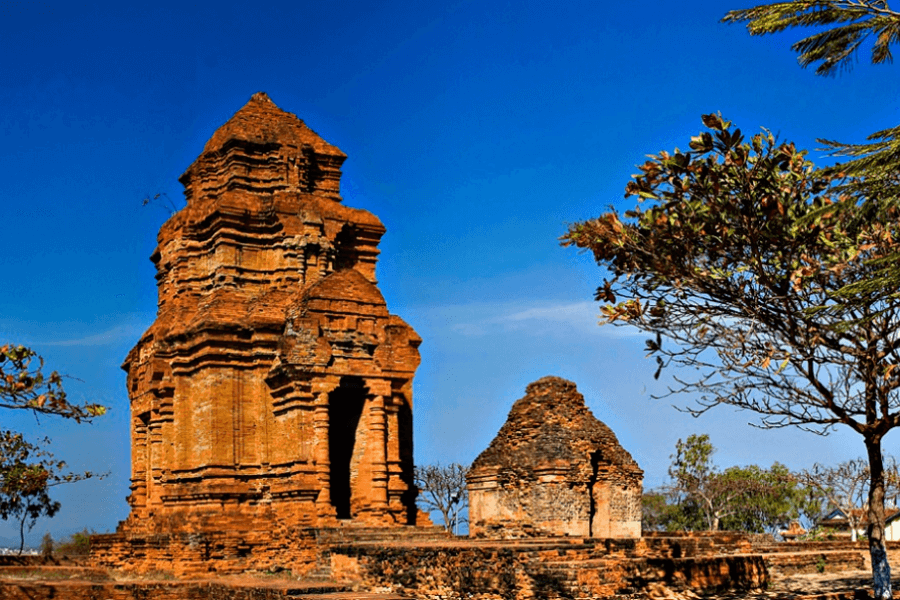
260,121
551,422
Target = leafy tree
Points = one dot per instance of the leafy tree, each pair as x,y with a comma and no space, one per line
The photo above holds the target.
47,546
658,514
27,471
748,263
443,488
23,385
748,498
26,475
770,499
78,544
696,486
844,28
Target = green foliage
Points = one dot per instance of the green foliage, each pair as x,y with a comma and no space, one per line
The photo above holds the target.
780,283
773,284
842,29
769,499
842,26
24,385
821,534
78,544
27,472
667,510
47,545
702,497
741,254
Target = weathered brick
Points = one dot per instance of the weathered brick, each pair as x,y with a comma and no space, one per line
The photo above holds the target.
554,469
273,393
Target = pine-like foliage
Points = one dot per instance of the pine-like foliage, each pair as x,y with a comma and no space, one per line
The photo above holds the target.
845,25
843,28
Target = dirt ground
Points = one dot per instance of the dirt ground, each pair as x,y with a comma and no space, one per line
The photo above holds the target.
846,585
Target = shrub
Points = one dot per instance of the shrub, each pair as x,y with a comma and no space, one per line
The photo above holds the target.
79,544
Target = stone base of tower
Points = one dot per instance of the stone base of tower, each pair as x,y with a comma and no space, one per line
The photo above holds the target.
301,551
229,537
206,553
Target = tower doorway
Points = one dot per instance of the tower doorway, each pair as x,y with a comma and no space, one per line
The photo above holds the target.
345,406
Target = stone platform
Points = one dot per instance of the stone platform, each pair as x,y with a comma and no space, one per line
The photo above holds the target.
368,563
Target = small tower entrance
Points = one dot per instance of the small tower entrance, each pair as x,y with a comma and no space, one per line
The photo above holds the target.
345,407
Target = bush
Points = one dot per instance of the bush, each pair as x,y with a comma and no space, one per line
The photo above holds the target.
47,545
79,544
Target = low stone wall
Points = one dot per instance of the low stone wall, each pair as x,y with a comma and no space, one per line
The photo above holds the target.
784,564
203,554
514,571
12,560
142,590
425,563
691,544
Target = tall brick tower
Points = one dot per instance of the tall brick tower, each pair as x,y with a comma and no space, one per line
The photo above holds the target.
273,393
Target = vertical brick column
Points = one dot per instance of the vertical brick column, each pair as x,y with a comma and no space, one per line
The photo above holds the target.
140,452
322,455
378,437
395,485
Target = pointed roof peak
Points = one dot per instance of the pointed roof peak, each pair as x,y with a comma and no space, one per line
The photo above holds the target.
261,97
261,121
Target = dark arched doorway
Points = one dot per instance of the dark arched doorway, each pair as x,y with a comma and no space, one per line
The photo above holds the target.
345,406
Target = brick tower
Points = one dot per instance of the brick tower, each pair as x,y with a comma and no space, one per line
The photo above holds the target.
273,393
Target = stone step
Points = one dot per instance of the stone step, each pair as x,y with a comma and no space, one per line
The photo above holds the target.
52,572
778,547
344,535
349,596
790,563
176,590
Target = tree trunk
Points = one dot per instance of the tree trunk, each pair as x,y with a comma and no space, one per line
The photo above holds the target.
881,570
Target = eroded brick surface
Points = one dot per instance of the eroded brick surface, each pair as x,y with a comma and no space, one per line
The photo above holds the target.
554,469
545,568
273,393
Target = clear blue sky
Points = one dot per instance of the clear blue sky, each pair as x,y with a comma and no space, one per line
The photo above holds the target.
475,130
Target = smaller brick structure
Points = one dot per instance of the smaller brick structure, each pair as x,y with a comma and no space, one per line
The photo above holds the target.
554,469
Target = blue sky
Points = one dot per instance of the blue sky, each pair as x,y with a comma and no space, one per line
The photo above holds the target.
476,130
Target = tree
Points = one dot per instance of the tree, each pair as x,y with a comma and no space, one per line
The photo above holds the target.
443,488
658,514
47,546
843,29
748,262
78,544
770,500
27,471
845,487
747,498
23,385
696,485
26,475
